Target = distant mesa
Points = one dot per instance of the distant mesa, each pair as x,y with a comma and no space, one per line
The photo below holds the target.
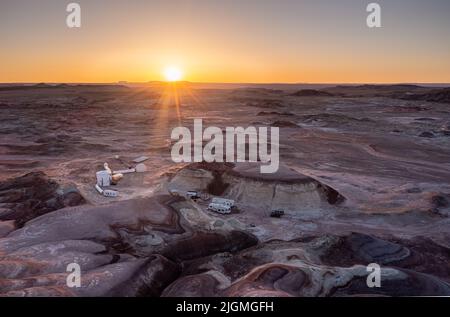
60,86
42,85
46,86
378,88
311,93
436,95
370,90
259,90
383,87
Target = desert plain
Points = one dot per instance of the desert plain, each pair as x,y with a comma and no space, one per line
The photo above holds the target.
364,178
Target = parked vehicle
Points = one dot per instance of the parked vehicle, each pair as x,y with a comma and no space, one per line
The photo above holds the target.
220,208
192,195
278,213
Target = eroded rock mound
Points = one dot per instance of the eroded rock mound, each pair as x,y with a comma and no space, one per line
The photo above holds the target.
440,204
307,267
243,182
208,284
32,195
271,280
358,248
397,282
127,248
420,255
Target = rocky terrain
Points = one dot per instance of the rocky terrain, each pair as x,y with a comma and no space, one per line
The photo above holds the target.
364,178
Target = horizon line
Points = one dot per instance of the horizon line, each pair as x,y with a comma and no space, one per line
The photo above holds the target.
124,82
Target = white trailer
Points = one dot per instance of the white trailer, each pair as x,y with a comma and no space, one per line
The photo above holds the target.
220,208
192,194
223,201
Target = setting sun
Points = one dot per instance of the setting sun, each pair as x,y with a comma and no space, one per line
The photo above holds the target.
173,73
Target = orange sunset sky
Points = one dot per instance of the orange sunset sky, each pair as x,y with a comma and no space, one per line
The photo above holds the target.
258,41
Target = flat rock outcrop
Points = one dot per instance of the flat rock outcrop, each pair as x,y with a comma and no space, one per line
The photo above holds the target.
127,248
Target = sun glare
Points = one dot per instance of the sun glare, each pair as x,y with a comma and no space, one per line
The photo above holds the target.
173,73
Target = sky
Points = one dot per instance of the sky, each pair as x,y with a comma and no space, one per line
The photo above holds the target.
245,41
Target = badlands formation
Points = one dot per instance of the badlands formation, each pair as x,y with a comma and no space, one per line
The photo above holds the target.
364,178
